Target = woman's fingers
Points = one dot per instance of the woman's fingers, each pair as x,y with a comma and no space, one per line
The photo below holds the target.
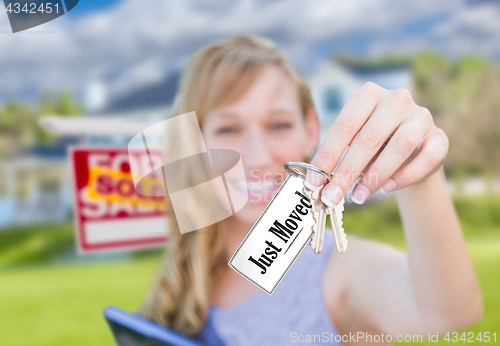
386,118
408,137
369,118
428,160
353,116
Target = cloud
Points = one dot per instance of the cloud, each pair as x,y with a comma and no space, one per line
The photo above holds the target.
136,43
473,30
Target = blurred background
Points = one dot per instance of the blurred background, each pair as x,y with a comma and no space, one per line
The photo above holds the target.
67,82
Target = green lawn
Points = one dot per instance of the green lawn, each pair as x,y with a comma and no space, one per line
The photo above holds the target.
35,244
63,305
486,256
45,304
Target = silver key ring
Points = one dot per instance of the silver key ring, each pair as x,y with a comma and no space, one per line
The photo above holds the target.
308,166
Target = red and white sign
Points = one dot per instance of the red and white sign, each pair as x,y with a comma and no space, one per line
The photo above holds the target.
109,213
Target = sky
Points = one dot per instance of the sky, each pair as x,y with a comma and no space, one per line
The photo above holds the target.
126,44
86,7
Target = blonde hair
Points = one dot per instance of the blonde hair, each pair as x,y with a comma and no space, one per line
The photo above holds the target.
219,74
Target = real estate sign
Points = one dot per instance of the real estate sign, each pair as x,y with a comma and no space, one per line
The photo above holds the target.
109,213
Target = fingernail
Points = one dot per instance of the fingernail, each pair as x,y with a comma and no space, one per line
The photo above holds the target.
388,186
332,195
360,194
314,180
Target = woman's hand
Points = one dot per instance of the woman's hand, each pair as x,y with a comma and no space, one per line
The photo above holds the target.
371,118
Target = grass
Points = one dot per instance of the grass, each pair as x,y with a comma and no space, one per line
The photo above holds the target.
63,305
486,257
43,304
34,244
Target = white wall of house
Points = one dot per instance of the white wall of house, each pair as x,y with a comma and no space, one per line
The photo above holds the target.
331,86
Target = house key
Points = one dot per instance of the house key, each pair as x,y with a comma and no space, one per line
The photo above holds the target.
338,231
319,213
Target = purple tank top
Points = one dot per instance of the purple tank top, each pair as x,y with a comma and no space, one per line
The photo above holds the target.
295,311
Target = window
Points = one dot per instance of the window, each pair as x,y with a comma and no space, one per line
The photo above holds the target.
49,187
332,99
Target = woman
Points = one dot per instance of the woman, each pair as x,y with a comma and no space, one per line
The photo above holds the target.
249,98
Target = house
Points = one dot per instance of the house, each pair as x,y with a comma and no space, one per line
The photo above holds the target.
334,82
34,188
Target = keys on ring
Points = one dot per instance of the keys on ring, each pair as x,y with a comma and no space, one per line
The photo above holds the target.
294,217
320,211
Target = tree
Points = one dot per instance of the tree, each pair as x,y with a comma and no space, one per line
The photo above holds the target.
464,99
19,128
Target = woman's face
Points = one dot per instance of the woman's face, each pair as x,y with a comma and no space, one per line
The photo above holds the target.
267,127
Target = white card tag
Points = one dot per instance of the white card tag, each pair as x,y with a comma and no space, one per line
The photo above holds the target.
277,238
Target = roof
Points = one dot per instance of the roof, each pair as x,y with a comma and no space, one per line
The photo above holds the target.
160,94
110,124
